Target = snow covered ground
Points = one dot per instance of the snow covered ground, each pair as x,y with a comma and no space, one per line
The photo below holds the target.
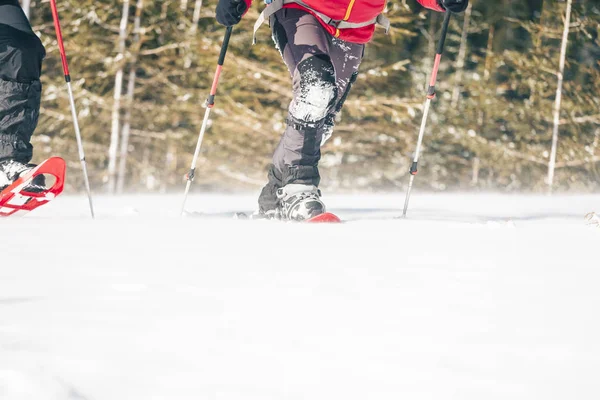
475,296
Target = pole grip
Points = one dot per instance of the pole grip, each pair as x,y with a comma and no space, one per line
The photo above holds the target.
440,46
225,45
210,102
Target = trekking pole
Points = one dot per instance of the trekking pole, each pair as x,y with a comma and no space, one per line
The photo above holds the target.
210,102
430,96
63,56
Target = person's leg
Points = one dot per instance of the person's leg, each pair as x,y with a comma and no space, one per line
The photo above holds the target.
346,58
304,46
21,55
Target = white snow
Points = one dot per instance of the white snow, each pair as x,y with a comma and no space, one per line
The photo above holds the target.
477,296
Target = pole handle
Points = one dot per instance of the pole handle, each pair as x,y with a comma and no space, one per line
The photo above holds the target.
210,102
442,41
225,45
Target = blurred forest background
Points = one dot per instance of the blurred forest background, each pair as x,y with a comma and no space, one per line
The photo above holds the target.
142,70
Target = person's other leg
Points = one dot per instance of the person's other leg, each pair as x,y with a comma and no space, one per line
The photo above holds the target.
21,55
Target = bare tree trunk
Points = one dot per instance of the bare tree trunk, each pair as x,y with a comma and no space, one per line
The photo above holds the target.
486,74
561,70
537,44
489,54
114,134
26,5
196,17
462,53
145,167
130,95
475,177
490,178
168,167
193,29
183,5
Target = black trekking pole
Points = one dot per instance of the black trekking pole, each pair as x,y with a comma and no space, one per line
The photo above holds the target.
430,96
210,102
63,57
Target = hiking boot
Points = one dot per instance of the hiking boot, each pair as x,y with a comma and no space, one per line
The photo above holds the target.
11,170
300,202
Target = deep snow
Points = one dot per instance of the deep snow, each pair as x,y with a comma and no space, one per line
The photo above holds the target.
475,296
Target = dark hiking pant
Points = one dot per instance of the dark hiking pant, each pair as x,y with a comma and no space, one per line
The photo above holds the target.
21,55
323,69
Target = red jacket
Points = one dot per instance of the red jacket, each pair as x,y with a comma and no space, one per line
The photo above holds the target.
352,11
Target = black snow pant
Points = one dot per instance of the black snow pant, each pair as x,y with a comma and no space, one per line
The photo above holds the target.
21,55
323,69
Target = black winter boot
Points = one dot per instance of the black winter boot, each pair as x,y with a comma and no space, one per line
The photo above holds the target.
299,202
11,170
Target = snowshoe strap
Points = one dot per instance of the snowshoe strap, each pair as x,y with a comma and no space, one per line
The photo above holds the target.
277,5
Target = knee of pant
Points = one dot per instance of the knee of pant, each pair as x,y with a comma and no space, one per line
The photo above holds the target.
315,89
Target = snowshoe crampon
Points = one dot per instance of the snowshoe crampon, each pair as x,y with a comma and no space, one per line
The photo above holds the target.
16,200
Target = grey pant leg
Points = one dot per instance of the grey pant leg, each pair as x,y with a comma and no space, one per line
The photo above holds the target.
346,58
321,68
21,55
304,46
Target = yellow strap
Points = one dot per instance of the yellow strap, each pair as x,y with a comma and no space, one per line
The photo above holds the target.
349,10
